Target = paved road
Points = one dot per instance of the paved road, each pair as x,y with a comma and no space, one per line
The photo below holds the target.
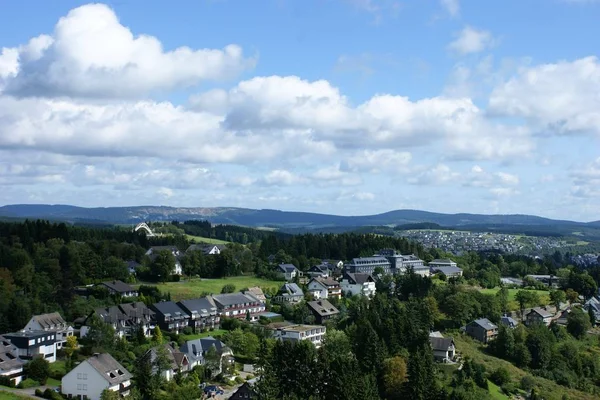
26,392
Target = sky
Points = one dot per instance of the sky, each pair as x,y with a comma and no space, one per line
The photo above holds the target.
349,107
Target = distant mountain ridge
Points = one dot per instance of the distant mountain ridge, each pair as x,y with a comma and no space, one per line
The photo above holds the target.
267,217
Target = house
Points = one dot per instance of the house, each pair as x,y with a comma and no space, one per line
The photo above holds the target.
444,349
563,317
368,265
132,266
203,313
257,292
238,305
355,284
296,332
318,271
139,316
112,316
594,305
509,322
197,349
451,271
548,280
482,330
289,293
538,316
153,252
443,262
206,248
170,317
324,288
11,365
120,288
244,392
91,377
32,344
323,310
288,271
51,322
178,361
410,261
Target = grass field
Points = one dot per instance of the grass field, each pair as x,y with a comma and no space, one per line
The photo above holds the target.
549,390
513,305
10,396
200,239
216,333
496,392
194,288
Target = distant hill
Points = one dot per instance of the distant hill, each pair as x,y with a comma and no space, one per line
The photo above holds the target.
270,218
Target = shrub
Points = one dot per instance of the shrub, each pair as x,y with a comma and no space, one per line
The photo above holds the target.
188,330
509,388
500,376
527,383
6,381
239,379
39,393
28,383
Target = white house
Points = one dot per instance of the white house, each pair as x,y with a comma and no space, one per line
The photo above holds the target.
116,287
92,376
11,365
197,349
51,322
155,250
289,293
313,333
288,271
444,349
178,361
538,315
324,288
32,344
356,284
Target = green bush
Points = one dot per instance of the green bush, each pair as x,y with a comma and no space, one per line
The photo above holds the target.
6,381
39,393
188,330
527,383
500,376
509,388
28,383
239,379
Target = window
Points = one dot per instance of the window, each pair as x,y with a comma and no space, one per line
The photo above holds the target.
79,386
84,387
84,376
78,376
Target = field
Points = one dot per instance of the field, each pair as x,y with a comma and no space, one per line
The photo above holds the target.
10,396
496,392
216,333
194,288
200,239
513,305
547,388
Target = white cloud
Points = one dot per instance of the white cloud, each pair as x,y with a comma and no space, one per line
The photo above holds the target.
364,196
558,98
165,192
471,40
333,175
586,180
452,7
437,175
282,177
506,178
376,161
503,192
90,54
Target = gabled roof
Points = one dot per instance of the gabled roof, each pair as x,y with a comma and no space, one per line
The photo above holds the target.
287,267
485,324
256,292
204,306
197,348
446,270
230,299
541,312
323,268
111,315
323,307
327,282
508,321
291,289
50,321
169,308
156,249
177,358
441,344
358,279
442,261
9,356
109,368
118,286
136,310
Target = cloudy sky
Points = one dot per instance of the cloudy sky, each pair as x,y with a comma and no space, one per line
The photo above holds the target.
337,106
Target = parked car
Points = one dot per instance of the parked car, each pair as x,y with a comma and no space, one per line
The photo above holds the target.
213,390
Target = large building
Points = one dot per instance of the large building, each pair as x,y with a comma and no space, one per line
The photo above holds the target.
295,333
32,344
367,265
51,322
238,305
203,313
11,365
170,317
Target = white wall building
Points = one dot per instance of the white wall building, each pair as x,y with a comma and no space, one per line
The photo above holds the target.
313,333
358,284
32,344
51,322
92,376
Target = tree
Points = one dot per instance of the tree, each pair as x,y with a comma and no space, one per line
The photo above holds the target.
504,344
526,298
213,360
557,297
229,288
38,369
109,395
157,336
592,316
162,266
421,383
101,336
394,376
578,323
503,298
572,295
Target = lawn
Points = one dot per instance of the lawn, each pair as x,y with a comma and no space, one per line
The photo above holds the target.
496,392
194,288
10,396
549,390
58,368
215,333
200,239
513,305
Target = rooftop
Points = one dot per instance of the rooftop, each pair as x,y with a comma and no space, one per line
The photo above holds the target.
109,368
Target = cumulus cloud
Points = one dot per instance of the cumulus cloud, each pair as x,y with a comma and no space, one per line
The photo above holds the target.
376,161
91,54
559,98
586,180
452,7
437,175
471,40
282,177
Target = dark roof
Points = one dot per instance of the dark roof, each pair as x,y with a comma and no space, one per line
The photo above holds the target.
21,339
109,368
132,264
291,289
323,307
176,357
441,261
358,278
9,357
50,321
230,299
287,267
323,268
442,344
244,392
485,324
164,248
136,310
327,281
542,313
118,286
111,315
169,308
509,321
197,348
204,306
446,270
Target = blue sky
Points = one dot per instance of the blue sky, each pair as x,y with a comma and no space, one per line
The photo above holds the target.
337,106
